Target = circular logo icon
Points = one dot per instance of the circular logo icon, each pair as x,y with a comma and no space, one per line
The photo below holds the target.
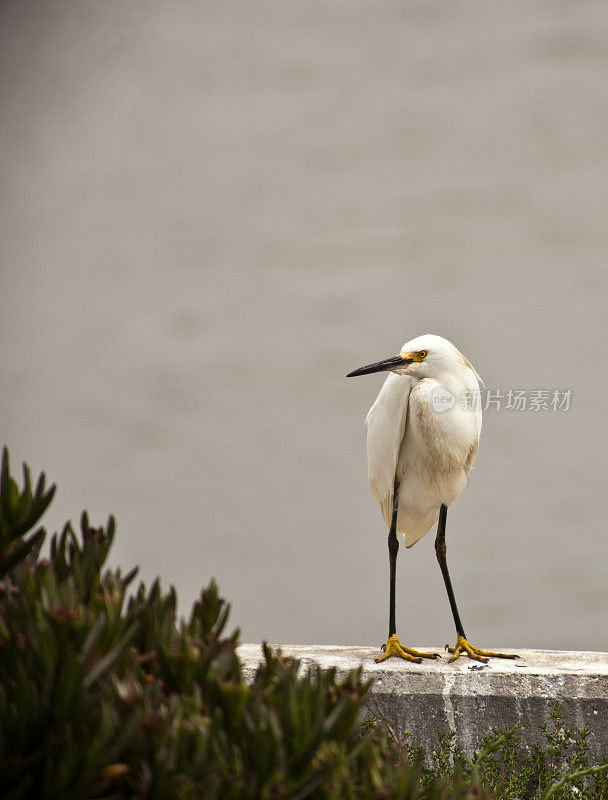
442,399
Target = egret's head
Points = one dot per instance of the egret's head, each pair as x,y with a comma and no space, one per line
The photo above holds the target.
427,356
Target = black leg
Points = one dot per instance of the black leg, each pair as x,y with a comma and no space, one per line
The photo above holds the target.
393,646
441,550
393,549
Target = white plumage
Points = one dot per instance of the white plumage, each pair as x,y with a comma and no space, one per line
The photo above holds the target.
414,438
422,439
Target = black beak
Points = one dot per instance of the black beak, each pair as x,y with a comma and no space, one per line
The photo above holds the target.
397,362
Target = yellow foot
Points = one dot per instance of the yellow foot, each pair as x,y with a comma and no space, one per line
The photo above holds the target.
462,646
395,648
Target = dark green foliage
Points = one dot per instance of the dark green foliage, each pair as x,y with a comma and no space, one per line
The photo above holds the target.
19,512
106,694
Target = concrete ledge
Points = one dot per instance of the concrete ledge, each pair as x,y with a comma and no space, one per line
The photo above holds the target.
471,698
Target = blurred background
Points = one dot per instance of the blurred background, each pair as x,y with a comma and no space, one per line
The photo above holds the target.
212,211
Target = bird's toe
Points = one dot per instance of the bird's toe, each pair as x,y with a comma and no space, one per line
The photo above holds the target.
464,646
394,648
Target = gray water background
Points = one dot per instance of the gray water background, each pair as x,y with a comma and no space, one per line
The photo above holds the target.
211,211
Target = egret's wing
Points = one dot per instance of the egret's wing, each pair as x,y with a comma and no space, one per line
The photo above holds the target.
471,456
385,428
473,385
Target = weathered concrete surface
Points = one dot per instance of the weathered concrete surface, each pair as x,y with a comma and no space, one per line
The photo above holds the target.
471,698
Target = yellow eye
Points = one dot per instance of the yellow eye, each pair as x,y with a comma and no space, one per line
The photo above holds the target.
423,354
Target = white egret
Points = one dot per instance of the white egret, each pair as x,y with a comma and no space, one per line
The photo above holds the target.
422,439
